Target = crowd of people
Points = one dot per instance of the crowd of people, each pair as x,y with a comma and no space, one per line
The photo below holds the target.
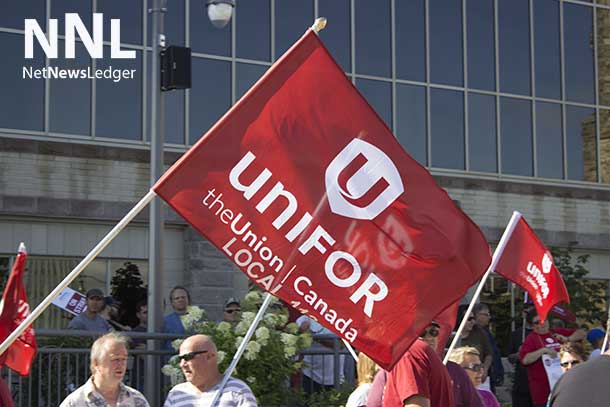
471,376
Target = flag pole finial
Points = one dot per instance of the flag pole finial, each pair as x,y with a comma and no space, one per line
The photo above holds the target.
319,24
21,248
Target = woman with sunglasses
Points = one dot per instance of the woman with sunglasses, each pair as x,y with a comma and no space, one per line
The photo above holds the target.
570,355
542,341
473,335
468,358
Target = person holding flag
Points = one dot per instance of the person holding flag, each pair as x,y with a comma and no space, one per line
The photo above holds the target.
543,341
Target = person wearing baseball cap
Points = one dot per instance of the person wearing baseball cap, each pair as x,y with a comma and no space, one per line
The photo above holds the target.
596,336
90,319
232,310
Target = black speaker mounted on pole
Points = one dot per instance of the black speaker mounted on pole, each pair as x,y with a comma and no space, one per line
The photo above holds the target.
175,68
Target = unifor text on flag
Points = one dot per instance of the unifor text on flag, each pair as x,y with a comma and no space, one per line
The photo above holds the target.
307,191
528,263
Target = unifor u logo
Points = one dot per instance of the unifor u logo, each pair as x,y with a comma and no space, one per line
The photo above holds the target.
362,181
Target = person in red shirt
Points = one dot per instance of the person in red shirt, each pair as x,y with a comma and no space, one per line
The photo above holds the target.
542,341
419,379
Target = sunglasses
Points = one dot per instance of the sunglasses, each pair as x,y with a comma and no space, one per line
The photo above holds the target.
470,319
191,355
433,332
569,363
230,311
474,367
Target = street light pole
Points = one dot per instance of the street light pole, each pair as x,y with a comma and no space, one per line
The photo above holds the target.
156,224
219,12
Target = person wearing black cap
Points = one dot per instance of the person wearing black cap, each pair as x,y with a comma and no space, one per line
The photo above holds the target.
232,310
90,319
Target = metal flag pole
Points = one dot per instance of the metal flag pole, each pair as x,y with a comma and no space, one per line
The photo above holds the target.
494,262
77,270
242,347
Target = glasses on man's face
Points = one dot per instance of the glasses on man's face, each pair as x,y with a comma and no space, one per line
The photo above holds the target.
433,332
230,311
191,355
475,367
569,363
487,314
470,319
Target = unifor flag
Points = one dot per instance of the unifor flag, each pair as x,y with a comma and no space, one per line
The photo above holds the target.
307,191
527,262
15,309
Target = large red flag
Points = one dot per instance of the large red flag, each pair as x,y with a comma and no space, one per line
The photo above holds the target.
15,309
307,191
528,263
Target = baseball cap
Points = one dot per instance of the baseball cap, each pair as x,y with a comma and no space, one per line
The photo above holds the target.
111,301
230,301
595,334
94,292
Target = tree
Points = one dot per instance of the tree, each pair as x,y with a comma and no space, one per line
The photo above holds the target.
587,297
128,288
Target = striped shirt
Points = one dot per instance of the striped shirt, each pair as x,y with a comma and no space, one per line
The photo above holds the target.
235,394
88,396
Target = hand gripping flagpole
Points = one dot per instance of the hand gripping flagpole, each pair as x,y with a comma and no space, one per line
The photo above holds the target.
242,347
494,261
77,270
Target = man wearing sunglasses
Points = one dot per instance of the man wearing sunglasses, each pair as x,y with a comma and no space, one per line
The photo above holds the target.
584,385
543,341
419,379
232,310
199,363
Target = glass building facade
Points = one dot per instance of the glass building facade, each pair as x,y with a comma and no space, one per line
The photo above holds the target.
507,88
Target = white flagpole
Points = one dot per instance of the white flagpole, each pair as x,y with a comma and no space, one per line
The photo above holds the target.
77,270
605,343
350,349
242,347
494,261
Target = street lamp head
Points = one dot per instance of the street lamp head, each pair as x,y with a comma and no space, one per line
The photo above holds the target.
220,11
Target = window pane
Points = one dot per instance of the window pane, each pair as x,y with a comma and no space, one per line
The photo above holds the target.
119,104
604,118
210,95
130,15
447,128
603,56
547,49
174,23
70,99
514,46
549,140
253,35
205,38
411,120
481,49
516,136
373,37
410,40
292,18
482,133
15,12
379,95
18,92
82,8
337,34
247,75
446,42
581,148
578,26
174,112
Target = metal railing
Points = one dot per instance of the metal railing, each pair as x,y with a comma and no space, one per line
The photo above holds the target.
62,364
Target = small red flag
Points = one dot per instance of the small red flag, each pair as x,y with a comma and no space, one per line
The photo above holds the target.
304,188
446,321
528,263
15,310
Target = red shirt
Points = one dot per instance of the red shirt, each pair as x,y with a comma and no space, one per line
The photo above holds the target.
536,375
419,372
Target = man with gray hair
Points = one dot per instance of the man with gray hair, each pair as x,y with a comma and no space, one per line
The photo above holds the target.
199,363
105,387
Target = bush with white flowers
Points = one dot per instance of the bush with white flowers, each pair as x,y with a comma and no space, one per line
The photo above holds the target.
269,357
